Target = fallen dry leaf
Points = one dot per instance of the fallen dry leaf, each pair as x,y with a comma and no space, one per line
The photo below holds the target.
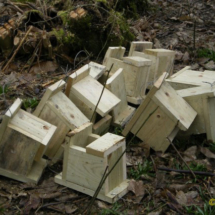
102,205
46,66
57,207
66,197
190,153
192,194
203,60
155,213
179,187
133,160
212,190
160,181
171,197
137,187
181,198
186,57
33,203
146,149
70,209
50,195
207,152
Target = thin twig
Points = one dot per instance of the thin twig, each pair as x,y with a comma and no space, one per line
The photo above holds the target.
15,52
16,7
101,94
209,193
186,171
96,193
194,35
181,157
155,168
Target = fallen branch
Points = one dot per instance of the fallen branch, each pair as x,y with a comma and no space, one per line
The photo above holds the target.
191,171
186,171
16,7
15,52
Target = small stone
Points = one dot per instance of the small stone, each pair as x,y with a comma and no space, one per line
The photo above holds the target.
194,66
210,65
178,56
186,57
157,43
157,25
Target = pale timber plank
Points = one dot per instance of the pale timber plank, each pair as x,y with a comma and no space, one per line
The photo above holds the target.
105,145
196,97
8,115
32,177
85,169
96,70
14,108
50,91
122,112
211,115
50,116
76,77
89,90
67,111
30,125
92,137
118,175
103,125
87,111
189,78
35,128
114,52
174,106
110,197
77,137
139,46
17,152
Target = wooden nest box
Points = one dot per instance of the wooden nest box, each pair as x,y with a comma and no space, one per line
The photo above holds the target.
60,111
202,100
187,78
162,59
86,157
85,91
135,70
161,115
23,140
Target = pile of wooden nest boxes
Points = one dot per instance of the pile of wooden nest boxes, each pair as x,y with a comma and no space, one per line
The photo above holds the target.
72,120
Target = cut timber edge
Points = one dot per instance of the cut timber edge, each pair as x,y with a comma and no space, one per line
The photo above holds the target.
111,197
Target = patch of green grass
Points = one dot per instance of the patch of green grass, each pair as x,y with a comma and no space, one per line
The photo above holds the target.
206,53
197,167
197,210
142,169
30,103
212,147
2,210
3,89
118,130
114,210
